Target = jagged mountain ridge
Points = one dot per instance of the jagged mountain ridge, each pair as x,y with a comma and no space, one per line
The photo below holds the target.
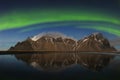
47,42
60,42
94,42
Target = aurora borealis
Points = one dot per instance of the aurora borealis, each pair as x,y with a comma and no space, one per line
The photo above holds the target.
28,18
17,19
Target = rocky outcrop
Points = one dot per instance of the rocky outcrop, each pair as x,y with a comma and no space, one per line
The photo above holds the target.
94,42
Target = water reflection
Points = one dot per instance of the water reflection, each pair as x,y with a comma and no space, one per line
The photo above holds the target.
58,61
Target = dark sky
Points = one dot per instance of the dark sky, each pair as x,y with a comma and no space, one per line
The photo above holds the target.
104,4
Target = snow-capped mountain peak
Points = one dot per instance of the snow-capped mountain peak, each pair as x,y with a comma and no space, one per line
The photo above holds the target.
54,35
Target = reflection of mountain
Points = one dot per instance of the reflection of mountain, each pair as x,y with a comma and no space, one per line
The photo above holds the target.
58,42
56,61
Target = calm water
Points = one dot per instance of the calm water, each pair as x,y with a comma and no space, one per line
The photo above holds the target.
60,66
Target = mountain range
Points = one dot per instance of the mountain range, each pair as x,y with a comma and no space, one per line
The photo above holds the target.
59,42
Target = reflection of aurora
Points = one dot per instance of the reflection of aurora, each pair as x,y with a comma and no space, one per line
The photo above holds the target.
17,19
58,61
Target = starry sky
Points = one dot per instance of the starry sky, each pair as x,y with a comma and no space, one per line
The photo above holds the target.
20,19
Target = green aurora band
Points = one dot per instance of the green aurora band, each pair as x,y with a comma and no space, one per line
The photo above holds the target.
18,19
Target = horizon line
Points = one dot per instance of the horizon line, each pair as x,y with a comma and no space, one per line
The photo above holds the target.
45,52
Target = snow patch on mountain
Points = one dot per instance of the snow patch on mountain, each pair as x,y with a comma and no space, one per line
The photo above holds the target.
54,35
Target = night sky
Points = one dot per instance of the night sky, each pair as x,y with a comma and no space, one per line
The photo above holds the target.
20,19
